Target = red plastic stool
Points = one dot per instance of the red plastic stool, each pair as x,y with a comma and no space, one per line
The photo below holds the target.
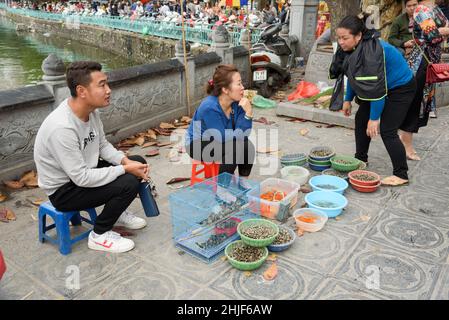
210,169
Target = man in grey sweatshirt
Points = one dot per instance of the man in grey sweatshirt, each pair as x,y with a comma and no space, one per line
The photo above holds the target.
78,168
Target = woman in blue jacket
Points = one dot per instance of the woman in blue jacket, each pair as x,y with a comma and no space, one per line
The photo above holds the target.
222,123
384,85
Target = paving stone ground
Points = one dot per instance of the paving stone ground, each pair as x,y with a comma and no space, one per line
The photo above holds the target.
402,232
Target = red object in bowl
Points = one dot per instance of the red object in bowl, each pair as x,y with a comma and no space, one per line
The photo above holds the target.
365,189
229,231
363,183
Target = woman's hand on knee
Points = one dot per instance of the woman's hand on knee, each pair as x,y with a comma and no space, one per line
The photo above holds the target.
372,129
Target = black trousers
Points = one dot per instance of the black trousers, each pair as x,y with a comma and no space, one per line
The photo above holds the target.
115,196
397,104
231,155
413,121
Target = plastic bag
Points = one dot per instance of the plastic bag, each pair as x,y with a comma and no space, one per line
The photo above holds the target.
261,102
304,90
337,95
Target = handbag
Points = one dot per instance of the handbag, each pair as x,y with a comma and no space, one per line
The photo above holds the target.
436,72
147,192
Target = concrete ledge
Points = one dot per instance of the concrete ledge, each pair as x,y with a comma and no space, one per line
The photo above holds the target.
206,59
25,96
314,114
144,71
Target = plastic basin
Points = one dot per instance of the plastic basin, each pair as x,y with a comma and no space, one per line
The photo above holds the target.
295,159
321,219
359,182
319,163
283,246
244,266
229,231
322,158
257,242
365,189
328,183
296,174
317,167
331,203
352,163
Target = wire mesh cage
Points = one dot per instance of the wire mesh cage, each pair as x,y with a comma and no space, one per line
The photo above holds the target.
205,216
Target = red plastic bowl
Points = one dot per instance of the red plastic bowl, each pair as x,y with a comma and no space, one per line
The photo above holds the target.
365,189
229,231
363,183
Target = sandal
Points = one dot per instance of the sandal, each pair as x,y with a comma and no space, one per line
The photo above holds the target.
413,156
394,181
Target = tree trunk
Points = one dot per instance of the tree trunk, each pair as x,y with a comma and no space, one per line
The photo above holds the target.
339,9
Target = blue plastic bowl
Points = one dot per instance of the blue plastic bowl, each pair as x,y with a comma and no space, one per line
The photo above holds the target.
317,167
314,198
339,184
284,246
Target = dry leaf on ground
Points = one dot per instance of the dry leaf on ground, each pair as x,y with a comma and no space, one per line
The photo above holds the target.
7,214
176,180
149,144
14,184
29,179
165,125
186,126
247,273
133,141
162,132
186,119
303,132
37,202
271,272
151,134
152,153
3,197
164,144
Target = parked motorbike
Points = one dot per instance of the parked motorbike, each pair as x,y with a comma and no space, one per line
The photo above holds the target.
271,61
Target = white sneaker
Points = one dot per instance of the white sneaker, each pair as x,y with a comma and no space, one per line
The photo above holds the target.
110,242
130,221
433,114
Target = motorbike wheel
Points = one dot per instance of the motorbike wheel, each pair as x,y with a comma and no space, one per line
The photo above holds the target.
266,90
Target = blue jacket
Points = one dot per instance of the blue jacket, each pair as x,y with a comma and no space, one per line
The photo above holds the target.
398,74
210,115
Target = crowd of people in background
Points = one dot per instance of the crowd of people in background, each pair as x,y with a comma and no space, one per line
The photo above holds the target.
212,11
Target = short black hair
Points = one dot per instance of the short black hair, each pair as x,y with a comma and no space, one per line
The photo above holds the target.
406,1
78,73
354,24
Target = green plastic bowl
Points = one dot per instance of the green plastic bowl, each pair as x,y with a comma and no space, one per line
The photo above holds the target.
319,162
351,166
257,242
245,266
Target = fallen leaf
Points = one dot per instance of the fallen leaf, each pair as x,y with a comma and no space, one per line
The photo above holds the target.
164,144
37,202
338,218
330,125
305,189
30,179
264,121
247,273
299,232
3,197
3,213
33,217
296,120
134,141
149,144
8,214
186,119
123,231
184,126
303,132
271,272
272,257
162,132
165,125
151,134
152,153
14,184
365,218
224,258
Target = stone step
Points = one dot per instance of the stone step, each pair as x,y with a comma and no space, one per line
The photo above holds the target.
308,112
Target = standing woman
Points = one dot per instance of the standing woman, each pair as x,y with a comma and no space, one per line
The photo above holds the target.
430,29
384,85
222,123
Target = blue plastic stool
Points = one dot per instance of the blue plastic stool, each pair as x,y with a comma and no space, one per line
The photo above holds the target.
61,224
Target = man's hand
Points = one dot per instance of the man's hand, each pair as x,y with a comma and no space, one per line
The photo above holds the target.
347,107
372,129
444,31
246,106
126,161
137,169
